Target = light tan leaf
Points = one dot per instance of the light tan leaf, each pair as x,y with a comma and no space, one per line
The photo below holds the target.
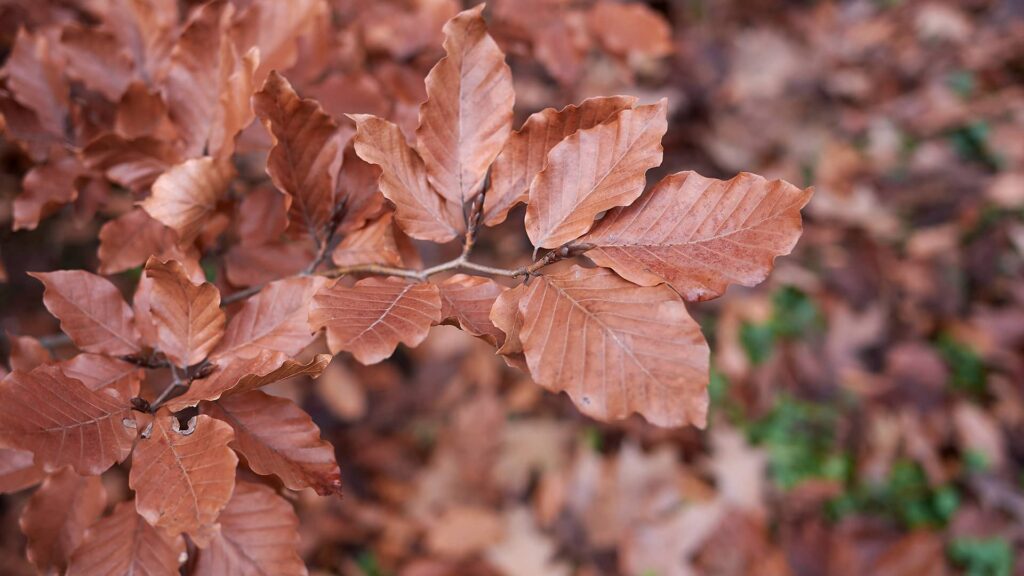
185,196
277,437
258,535
467,301
18,470
700,234
594,170
25,353
526,151
63,422
616,348
183,477
241,375
419,210
630,29
96,58
97,372
468,113
373,244
45,188
91,311
188,317
275,319
372,317
57,515
307,154
125,544
130,239
275,28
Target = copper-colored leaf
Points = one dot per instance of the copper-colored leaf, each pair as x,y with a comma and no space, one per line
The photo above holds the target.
25,353
275,319
183,477
700,234
358,184
419,210
275,28
468,113
241,375
91,311
258,535
592,171
45,188
262,216
307,154
526,151
57,515
33,75
141,112
18,470
373,244
467,301
616,348
63,422
628,29
188,317
248,265
372,317
234,110
131,162
97,59
125,544
277,437
184,197
97,372
130,239
506,317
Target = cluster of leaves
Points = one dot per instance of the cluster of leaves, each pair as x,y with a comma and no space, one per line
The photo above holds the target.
173,378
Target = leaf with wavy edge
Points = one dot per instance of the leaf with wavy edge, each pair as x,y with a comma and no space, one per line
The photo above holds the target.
130,239
420,211
506,317
240,375
185,196
372,317
594,170
91,311
467,301
468,113
274,319
307,154
25,352
526,151
700,234
98,372
258,535
375,243
124,543
63,422
188,317
616,348
182,478
57,515
277,437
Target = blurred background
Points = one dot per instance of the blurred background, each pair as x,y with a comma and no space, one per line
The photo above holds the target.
867,400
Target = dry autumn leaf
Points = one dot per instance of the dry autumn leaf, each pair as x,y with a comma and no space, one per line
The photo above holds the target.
188,317
274,320
698,235
18,470
183,475
56,517
91,311
124,543
467,301
185,196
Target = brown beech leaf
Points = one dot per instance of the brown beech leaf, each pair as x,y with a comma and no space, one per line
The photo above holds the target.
57,515
26,353
307,154
249,265
358,184
594,170
372,317
277,437
275,319
141,112
373,244
258,535
188,317
628,29
420,211
63,422
262,216
97,59
182,477
506,317
130,239
45,188
241,375
134,163
124,543
234,109
18,470
468,113
184,197
275,28
526,151
467,301
700,234
91,311
34,75
615,348
97,372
